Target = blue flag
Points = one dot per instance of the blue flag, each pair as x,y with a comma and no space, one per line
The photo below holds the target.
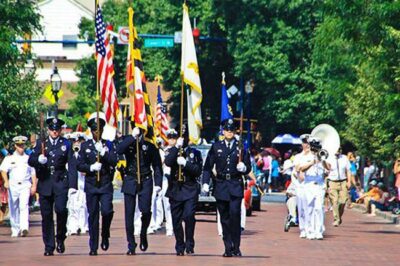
226,110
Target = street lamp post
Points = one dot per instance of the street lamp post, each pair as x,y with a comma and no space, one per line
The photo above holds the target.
56,83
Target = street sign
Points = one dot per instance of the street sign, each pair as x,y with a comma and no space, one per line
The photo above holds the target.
232,90
123,35
178,37
158,42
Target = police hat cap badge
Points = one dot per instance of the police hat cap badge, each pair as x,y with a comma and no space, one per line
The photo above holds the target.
228,124
20,139
54,123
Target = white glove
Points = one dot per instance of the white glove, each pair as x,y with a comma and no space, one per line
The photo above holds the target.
95,167
181,161
135,132
100,148
241,167
157,189
42,159
179,143
71,191
205,188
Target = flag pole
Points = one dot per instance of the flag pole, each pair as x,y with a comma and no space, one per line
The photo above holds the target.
97,102
131,42
180,178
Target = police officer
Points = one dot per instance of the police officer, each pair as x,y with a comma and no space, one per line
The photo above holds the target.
228,184
98,181
50,165
183,194
149,159
20,180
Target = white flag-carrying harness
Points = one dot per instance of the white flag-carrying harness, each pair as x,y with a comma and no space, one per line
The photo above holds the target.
191,77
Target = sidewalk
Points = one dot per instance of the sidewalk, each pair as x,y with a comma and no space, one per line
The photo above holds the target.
387,215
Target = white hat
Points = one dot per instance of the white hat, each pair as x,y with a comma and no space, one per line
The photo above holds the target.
20,139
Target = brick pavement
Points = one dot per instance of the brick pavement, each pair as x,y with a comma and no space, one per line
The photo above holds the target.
361,240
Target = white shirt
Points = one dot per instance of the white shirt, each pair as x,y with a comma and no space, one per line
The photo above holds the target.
342,163
288,167
18,170
313,174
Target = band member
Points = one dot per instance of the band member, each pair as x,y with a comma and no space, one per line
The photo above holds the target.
20,180
339,180
149,160
50,165
311,191
77,208
228,185
98,181
183,191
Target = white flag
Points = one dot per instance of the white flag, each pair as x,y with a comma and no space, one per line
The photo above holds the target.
191,77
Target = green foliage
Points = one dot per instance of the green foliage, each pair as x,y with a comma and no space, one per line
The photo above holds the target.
19,93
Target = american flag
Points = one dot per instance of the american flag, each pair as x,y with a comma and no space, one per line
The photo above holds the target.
161,117
105,71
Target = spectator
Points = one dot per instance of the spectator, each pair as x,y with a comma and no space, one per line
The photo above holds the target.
396,172
369,173
275,173
353,166
382,203
266,167
373,194
287,169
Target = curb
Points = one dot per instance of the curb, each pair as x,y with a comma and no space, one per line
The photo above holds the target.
392,218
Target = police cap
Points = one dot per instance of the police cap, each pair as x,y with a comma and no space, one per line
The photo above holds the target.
54,123
228,125
92,121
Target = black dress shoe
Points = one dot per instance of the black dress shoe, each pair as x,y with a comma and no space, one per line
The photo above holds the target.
180,253
237,253
227,254
143,243
60,247
48,253
93,253
130,252
190,251
104,244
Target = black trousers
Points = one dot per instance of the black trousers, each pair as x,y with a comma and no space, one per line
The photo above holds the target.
46,210
183,211
230,220
130,204
97,202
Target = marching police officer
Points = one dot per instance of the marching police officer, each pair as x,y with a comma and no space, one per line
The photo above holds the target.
98,182
183,194
49,158
228,185
149,159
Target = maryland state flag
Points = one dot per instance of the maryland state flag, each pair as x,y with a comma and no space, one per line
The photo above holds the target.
141,115
191,77
48,93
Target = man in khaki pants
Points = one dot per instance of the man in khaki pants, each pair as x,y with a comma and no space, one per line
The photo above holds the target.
339,180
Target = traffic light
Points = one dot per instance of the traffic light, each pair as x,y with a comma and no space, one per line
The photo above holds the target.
196,35
26,46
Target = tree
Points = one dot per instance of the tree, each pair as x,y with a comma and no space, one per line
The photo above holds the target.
19,92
